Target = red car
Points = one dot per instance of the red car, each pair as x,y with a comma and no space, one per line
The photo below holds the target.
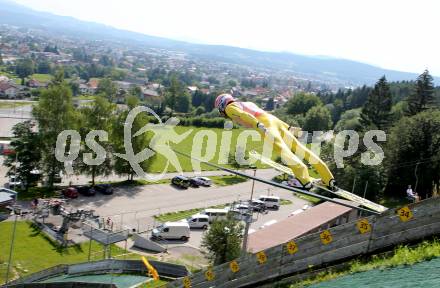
71,193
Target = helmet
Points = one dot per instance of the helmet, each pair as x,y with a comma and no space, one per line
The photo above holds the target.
222,101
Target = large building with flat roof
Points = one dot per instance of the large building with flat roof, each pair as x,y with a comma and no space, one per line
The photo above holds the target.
316,218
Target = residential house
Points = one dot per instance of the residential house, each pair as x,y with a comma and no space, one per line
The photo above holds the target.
149,93
192,89
122,85
36,84
9,90
155,86
235,92
92,85
84,89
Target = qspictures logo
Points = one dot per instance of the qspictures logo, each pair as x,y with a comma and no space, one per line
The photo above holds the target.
206,145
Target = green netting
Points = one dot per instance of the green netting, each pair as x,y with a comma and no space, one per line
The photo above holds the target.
424,274
120,280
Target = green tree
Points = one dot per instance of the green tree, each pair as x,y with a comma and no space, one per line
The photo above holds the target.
199,111
43,67
422,97
318,118
74,86
350,120
414,141
24,68
54,114
223,240
173,92
1,59
377,110
97,116
232,83
139,143
105,60
197,98
183,102
107,88
355,174
301,103
26,145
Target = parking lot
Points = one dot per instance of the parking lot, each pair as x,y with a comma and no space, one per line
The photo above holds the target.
134,207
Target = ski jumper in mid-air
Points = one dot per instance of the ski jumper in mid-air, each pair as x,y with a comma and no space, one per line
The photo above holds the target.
285,144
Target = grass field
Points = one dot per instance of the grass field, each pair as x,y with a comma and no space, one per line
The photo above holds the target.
187,146
9,104
33,251
44,78
13,78
227,180
85,97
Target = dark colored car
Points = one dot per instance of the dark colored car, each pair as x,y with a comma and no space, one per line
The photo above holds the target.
257,205
57,178
194,182
181,181
86,190
70,192
105,189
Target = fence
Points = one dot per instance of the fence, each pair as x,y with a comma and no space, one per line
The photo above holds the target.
396,226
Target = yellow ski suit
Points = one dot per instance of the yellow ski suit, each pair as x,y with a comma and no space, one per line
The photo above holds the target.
285,143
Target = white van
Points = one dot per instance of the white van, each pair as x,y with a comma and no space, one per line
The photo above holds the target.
216,214
172,230
271,201
198,221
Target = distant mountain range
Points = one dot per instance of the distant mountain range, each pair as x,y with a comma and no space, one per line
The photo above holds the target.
327,69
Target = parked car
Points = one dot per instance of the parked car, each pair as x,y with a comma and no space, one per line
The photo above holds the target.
257,205
105,189
204,181
194,182
198,221
70,192
242,208
86,190
14,183
57,178
272,202
215,214
181,181
172,230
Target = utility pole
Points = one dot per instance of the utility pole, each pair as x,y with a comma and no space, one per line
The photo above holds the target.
11,249
417,178
248,218
365,193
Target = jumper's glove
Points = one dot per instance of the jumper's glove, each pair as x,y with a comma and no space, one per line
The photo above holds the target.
261,127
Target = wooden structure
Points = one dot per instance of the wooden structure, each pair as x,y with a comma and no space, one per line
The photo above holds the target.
364,236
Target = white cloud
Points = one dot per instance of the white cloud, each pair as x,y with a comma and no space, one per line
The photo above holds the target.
398,35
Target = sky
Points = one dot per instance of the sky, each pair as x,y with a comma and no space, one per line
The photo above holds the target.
400,35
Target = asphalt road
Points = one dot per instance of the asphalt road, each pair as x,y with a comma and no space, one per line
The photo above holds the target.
11,116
